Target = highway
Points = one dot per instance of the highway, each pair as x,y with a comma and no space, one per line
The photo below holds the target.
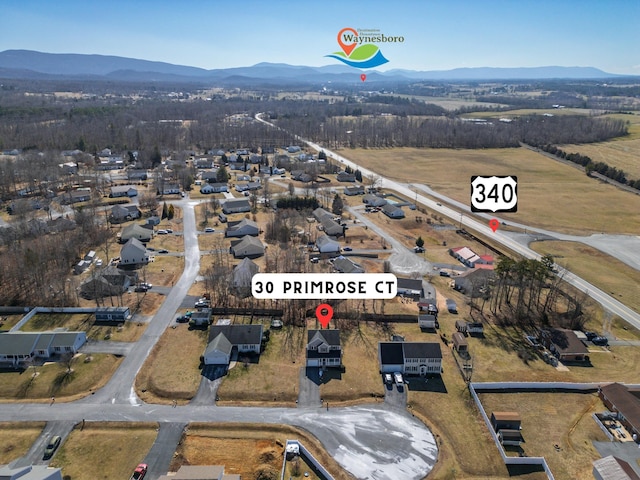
482,228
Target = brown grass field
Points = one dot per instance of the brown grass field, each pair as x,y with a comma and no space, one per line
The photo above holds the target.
549,419
171,371
621,153
543,185
604,271
16,439
261,446
104,450
50,379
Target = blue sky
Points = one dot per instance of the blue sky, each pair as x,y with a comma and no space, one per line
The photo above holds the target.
438,35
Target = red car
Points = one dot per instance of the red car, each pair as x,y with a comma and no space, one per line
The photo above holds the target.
139,472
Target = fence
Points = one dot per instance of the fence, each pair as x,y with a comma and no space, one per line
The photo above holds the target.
37,310
526,387
304,453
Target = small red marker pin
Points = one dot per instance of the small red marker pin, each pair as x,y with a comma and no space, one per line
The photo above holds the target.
494,224
324,313
363,77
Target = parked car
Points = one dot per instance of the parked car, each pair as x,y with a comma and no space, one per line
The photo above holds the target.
388,379
418,249
202,303
169,230
590,335
54,443
162,232
182,319
209,230
444,274
139,472
397,376
314,259
602,341
163,250
347,249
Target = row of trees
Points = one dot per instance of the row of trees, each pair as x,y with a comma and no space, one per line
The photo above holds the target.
590,166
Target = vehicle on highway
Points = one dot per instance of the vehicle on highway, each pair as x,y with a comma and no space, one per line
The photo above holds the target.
54,443
388,379
439,204
209,230
139,472
397,376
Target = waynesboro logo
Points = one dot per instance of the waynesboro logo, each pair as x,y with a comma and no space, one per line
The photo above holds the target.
359,49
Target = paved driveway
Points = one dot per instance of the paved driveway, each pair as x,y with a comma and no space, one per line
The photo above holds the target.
309,385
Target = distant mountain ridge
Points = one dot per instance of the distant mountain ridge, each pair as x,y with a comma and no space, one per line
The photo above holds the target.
31,64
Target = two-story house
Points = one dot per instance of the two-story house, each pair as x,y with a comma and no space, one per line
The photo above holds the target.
323,348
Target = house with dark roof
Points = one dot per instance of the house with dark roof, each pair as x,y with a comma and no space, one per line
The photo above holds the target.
242,228
410,287
142,233
427,321
239,205
625,403
344,265
410,358
112,314
327,244
565,345
123,191
224,339
107,282
241,277
124,213
29,472
373,200
247,246
392,211
354,190
474,282
345,177
324,348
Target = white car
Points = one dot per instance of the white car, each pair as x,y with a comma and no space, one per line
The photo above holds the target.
209,230
388,379
398,378
162,232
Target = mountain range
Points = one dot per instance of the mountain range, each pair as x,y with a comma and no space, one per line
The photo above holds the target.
28,64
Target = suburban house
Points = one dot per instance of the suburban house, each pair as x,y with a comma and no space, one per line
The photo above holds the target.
136,175
223,339
248,246
301,176
242,228
124,213
133,253
427,322
460,343
241,277
565,345
142,233
410,287
625,403
613,468
170,189
323,348
77,196
410,358
345,177
392,211
30,472
200,472
327,244
154,221
106,282
468,257
210,176
112,314
208,188
203,162
123,191
354,190
373,200
344,265
331,227
19,347
474,282
240,205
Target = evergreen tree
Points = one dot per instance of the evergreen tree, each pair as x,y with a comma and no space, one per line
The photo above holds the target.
337,206
165,210
171,212
222,176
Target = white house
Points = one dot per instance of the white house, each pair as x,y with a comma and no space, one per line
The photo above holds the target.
392,211
133,253
123,191
239,205
214,188
19,347
218,351
223,339
323,348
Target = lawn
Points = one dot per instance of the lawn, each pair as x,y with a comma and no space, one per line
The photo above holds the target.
274,379
606,272
261,447
544,185
16,439
90,372
550,419
104,450
171,371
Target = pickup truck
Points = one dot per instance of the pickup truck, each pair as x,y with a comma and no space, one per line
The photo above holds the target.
139,472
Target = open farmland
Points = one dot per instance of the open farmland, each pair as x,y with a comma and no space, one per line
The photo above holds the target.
543,185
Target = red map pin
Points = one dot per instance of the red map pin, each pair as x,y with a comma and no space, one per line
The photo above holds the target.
324,313
494,224
363,77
